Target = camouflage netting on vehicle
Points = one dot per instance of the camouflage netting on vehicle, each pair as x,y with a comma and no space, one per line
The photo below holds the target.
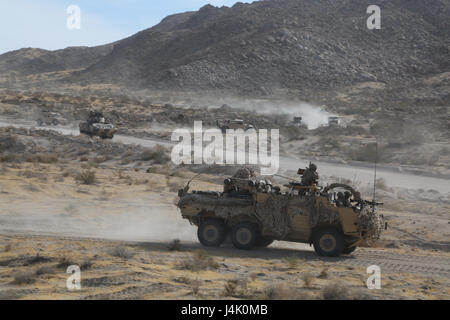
274,216
371,222
322,213
222,207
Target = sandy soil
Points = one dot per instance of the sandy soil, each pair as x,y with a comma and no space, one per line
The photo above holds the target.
121,229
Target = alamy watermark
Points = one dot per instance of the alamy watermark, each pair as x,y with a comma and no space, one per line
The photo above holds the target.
74,19
74,281
374,20
236,146
374,280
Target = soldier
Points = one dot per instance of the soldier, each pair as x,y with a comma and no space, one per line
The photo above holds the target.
95,117
310,175
340,200
347,201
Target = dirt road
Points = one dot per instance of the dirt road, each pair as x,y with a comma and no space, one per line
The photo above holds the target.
356,172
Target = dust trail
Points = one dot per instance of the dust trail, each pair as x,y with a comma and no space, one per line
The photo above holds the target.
129,220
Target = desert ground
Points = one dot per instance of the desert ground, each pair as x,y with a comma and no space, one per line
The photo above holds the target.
109,207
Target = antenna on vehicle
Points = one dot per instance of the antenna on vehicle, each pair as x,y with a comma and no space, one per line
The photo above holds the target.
375,177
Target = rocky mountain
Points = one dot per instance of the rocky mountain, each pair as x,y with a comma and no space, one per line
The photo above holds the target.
32,61
267,45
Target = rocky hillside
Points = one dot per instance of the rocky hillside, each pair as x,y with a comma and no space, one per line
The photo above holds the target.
258,47
292,45
32,61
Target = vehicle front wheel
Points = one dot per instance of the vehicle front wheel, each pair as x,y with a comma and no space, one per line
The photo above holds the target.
328,242
211,233
244,236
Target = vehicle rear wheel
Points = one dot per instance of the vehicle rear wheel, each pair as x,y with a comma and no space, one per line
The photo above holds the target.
211,233
244,236
328,242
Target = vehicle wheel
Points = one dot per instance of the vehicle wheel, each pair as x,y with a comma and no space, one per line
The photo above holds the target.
348,250
211,233
224,129
263,243
328,242
244,236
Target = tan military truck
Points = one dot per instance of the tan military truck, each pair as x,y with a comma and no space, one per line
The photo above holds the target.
255,213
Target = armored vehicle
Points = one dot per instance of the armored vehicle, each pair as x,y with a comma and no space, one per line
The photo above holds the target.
333,121
97,125
255,213
224,125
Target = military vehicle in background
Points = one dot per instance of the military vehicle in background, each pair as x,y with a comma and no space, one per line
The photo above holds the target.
255,213
333,121
97,125
224,125
298,122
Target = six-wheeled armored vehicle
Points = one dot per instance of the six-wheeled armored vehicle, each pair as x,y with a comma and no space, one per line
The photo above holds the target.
255,213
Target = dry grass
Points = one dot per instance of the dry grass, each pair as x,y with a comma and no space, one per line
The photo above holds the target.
198,261
158,155
283,292
175,245
122,252
308,279
336,291
292,262
41,158
24,277
87,177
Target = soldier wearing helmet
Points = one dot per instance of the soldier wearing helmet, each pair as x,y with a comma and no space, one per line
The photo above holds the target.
310,175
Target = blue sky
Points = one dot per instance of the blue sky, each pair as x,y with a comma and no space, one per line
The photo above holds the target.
42,23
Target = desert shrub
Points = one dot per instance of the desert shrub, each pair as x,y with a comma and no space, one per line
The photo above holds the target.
37,259
354,131
328,143
293,133
323,274
292,262
368,153
122,252
157,155
230,288
24,277
45,270
283,292
175,245
10,143
195,286
336,291
198,261
42,158
308,279
65,262
7,248
86,177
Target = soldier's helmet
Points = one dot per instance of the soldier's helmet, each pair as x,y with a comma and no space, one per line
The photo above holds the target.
313,167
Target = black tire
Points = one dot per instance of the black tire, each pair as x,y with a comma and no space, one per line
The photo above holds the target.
328,242
224,129
263,243
211,233
244,236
